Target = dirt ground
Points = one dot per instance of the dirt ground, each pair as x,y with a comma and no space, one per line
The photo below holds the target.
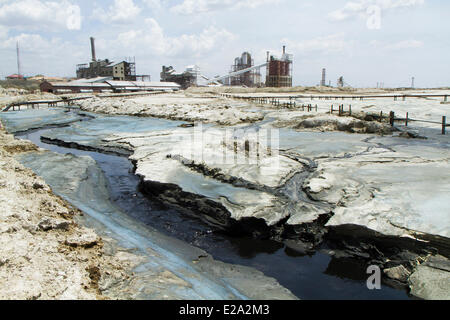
44,254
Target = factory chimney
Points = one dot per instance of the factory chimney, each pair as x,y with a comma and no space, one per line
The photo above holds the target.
93,49
18,59
268,56
323,81
284,49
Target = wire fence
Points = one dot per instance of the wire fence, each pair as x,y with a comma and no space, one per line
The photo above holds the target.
282,102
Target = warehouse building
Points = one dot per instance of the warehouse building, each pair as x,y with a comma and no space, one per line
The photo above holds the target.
111,86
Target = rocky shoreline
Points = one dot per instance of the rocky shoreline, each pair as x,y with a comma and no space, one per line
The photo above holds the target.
85,264
45,254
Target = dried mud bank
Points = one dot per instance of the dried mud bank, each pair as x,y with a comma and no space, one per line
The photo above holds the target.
357,123
208,109
45,254
373,199
365,204
12,95
115,258
406,261
407,258
165,268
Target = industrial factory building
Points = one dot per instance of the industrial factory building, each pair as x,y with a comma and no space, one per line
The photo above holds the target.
186,79
279,71
245,73
249,79
122,71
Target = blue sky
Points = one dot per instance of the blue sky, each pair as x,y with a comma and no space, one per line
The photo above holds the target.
366,41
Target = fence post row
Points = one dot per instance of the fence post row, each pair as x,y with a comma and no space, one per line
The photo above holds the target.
444,118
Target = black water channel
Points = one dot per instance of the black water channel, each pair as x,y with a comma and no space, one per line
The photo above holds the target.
318,276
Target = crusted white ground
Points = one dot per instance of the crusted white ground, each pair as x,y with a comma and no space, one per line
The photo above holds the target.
11,95
394,191
165,157
177,107
392,185
44,254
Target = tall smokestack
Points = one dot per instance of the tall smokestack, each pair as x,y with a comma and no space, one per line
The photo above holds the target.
18,59
93,49
268,56
323,81
284,49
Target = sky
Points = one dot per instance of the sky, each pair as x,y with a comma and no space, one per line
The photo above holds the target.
365,41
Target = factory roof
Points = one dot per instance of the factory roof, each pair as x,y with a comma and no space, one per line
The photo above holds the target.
93,80
143,84
78,84
112,85
15,76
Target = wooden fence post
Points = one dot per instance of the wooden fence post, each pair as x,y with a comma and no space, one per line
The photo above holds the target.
444,118
392,118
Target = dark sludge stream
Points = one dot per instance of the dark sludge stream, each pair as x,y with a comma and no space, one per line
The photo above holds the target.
316,276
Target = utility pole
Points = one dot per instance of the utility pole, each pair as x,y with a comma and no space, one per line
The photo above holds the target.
412,82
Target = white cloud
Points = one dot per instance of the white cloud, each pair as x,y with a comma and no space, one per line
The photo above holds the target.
40,55
359,8
334,43
35,44
153,40
404,44
154,4
3,32
39,15
188,7
122,11
31,43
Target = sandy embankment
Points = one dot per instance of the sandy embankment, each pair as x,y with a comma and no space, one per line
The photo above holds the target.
44,254
178,106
